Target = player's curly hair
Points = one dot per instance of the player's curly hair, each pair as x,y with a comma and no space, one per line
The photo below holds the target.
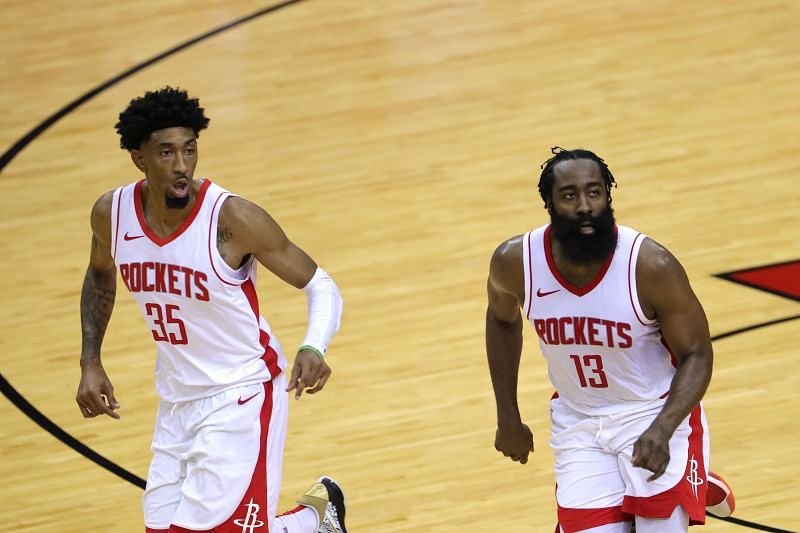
547,178
157,110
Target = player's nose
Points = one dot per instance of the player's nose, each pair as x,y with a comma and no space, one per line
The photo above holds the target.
584,206
180,166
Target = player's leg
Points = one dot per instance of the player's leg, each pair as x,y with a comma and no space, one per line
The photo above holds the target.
227,476
167,471
589,488
678,522
684,483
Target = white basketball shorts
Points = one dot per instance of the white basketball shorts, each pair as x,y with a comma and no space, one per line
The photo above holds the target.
217,461
596,483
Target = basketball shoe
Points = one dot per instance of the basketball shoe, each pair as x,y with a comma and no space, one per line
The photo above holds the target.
719,497
327,499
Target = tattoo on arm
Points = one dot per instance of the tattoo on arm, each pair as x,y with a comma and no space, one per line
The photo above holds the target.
224,234
97,302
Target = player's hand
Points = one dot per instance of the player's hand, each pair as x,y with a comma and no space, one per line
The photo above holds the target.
651,451
95,391
310,372
515,442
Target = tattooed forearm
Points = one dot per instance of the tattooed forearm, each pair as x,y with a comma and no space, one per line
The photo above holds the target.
224,234
97,302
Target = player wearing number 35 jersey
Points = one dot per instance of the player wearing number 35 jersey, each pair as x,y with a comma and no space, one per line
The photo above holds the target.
187,250
627,349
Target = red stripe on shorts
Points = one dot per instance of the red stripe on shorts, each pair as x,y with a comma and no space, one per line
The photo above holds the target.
689,492
252,511
572,520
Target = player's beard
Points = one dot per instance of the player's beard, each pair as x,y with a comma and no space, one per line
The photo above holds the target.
581,248
176,203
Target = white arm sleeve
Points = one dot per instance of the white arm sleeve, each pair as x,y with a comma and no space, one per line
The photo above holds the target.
324,310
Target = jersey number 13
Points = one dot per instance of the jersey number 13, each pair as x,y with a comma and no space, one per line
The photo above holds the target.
593,366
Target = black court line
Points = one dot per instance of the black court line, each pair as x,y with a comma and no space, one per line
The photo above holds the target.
751,525
756,326
6,158
48,425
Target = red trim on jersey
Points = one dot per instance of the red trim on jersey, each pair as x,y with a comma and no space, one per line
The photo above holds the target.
683,493
530,278
572,520
630,288
249,291
270,356
578,291
151,530
554,396
210,257
116,230
137,202
672,357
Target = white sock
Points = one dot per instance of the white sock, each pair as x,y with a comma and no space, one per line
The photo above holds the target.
678,522
299,520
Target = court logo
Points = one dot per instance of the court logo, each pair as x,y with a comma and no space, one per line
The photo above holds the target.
693,478
250,521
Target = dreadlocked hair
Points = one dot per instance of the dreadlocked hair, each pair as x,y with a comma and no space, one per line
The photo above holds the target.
157,110
548,177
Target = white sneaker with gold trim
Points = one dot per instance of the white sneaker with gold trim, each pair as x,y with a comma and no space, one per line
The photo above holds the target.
327,499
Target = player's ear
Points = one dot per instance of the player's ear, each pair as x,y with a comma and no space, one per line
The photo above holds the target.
138,160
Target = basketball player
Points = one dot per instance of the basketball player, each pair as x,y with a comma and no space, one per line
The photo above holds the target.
187,250
628,351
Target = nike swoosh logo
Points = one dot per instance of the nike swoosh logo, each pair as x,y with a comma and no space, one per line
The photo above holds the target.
132,238
539,292
242,402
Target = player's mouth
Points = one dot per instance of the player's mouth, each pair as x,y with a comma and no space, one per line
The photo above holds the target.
179,188
587,228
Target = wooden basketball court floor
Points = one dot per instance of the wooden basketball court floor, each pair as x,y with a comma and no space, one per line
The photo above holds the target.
399,143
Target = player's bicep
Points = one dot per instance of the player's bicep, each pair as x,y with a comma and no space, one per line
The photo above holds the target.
506,284
503,305
680,315
257,233
100,258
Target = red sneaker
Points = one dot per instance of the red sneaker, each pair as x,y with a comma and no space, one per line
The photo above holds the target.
719,497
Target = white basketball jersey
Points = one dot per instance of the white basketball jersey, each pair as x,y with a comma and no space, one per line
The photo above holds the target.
202,313
603,354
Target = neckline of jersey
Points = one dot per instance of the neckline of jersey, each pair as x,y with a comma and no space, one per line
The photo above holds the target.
137,201
578,291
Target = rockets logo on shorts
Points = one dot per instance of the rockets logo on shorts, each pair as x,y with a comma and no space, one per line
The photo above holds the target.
693,478
250,522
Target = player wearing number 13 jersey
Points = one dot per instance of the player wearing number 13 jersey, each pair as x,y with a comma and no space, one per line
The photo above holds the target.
187,250
627,349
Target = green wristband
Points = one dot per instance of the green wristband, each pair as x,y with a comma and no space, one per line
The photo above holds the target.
307,347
